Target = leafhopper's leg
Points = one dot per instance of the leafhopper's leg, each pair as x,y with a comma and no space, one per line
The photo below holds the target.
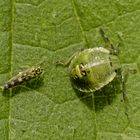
66,63
108,44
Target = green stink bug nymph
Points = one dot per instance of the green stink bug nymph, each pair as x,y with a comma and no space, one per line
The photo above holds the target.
93,68
23,77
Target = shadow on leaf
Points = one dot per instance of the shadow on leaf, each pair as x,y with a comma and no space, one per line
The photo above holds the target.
101,98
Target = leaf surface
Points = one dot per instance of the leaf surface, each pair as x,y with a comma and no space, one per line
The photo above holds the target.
36,31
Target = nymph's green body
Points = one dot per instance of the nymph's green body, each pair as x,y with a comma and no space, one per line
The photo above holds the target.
92,69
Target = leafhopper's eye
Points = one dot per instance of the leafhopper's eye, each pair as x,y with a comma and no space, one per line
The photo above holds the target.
33,70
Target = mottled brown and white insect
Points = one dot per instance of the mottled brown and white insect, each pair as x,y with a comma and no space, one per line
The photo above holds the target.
23,77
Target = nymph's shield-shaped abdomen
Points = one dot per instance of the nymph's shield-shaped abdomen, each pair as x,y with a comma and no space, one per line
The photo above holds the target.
92,69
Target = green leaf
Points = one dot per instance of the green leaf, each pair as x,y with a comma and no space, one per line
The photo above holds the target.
36,31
